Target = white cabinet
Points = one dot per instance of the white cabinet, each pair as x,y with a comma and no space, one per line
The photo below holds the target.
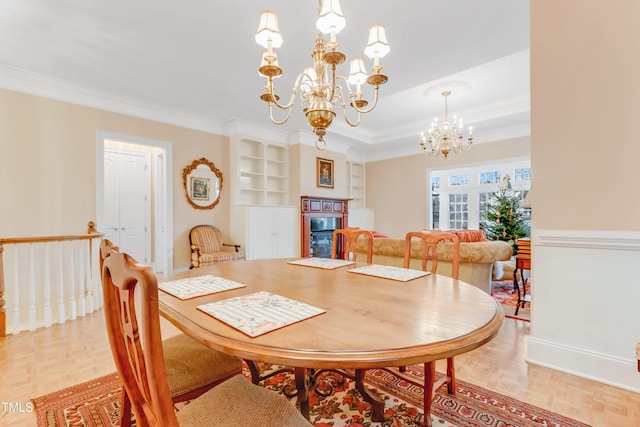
355,184
260,172
266,231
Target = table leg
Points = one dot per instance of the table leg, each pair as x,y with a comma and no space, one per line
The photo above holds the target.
255,372
377,403
303,391
429,379
516,286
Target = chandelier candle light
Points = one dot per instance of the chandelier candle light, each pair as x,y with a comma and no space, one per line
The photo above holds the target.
448,138
320,87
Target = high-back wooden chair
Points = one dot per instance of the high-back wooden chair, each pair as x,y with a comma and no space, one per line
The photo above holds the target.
134,335
431,240
192,368
207,247
349,236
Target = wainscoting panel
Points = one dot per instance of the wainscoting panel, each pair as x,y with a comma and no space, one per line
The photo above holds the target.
585,318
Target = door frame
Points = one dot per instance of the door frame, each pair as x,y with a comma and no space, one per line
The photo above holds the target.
162,189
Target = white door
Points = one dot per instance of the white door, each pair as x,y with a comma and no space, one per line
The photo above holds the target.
127,209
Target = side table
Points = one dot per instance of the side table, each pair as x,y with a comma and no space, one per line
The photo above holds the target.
523,262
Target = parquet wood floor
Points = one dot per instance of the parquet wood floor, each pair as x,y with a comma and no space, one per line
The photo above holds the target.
41,362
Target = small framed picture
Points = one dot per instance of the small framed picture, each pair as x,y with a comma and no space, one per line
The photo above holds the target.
324,173
200,188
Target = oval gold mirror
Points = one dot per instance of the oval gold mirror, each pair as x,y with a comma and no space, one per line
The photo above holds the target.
202,184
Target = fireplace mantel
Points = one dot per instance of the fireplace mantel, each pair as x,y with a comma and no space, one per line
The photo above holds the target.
319,207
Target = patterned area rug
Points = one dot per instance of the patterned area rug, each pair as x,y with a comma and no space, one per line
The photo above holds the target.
504,293
97,404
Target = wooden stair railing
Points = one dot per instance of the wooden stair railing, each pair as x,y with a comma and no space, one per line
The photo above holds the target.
69,270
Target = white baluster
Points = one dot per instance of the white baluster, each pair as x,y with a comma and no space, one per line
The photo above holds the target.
47,286
89,276
32,289
98,275
15,322
73,304
62,316
82,288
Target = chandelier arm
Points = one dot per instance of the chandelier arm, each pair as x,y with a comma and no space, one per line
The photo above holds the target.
375,102
343,104
286,117
346,116
355,107
294,91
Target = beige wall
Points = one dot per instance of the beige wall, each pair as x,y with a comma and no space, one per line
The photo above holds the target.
397,188
305,180
48,167
585,98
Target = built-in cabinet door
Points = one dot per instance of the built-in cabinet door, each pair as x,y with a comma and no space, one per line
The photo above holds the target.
286,232
270,231
260,233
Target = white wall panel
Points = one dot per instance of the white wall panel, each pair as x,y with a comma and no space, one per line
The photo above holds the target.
584,312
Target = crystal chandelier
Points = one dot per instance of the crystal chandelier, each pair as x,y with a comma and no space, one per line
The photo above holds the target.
448,138
320,88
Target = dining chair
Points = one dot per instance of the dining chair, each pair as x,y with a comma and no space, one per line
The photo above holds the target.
349,236
207,247
431,239
138,352
192,368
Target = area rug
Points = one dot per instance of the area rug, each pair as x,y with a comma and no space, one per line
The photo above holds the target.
97,404
504,293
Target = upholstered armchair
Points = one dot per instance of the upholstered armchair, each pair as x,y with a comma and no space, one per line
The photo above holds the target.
207,247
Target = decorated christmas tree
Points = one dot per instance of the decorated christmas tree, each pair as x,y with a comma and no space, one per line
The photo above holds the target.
504,216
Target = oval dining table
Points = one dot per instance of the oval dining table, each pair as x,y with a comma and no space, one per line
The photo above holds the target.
369,322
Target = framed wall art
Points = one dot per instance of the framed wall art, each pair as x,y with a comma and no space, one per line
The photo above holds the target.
202,184
200,188
324,173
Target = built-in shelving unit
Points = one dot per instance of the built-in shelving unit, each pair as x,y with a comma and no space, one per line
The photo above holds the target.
263,172
356,184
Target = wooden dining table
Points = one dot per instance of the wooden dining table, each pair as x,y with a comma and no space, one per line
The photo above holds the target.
369,322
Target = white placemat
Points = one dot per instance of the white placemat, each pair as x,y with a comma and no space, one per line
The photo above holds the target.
326,263
390,272
261,312
198,286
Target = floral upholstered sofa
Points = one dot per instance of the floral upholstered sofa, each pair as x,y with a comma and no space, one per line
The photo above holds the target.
477,255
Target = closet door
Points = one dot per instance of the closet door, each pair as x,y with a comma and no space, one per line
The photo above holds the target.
127,202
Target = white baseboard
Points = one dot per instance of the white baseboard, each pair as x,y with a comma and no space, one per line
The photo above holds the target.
575,361
180,270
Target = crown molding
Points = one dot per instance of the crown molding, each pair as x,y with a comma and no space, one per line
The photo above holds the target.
244,129
61,90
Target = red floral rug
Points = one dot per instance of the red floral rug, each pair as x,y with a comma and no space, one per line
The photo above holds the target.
504,293
97,404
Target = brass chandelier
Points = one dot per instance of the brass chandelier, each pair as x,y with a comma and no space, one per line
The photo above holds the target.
319,86
448,138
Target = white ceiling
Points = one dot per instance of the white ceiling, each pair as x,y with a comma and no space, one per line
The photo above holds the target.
195,62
